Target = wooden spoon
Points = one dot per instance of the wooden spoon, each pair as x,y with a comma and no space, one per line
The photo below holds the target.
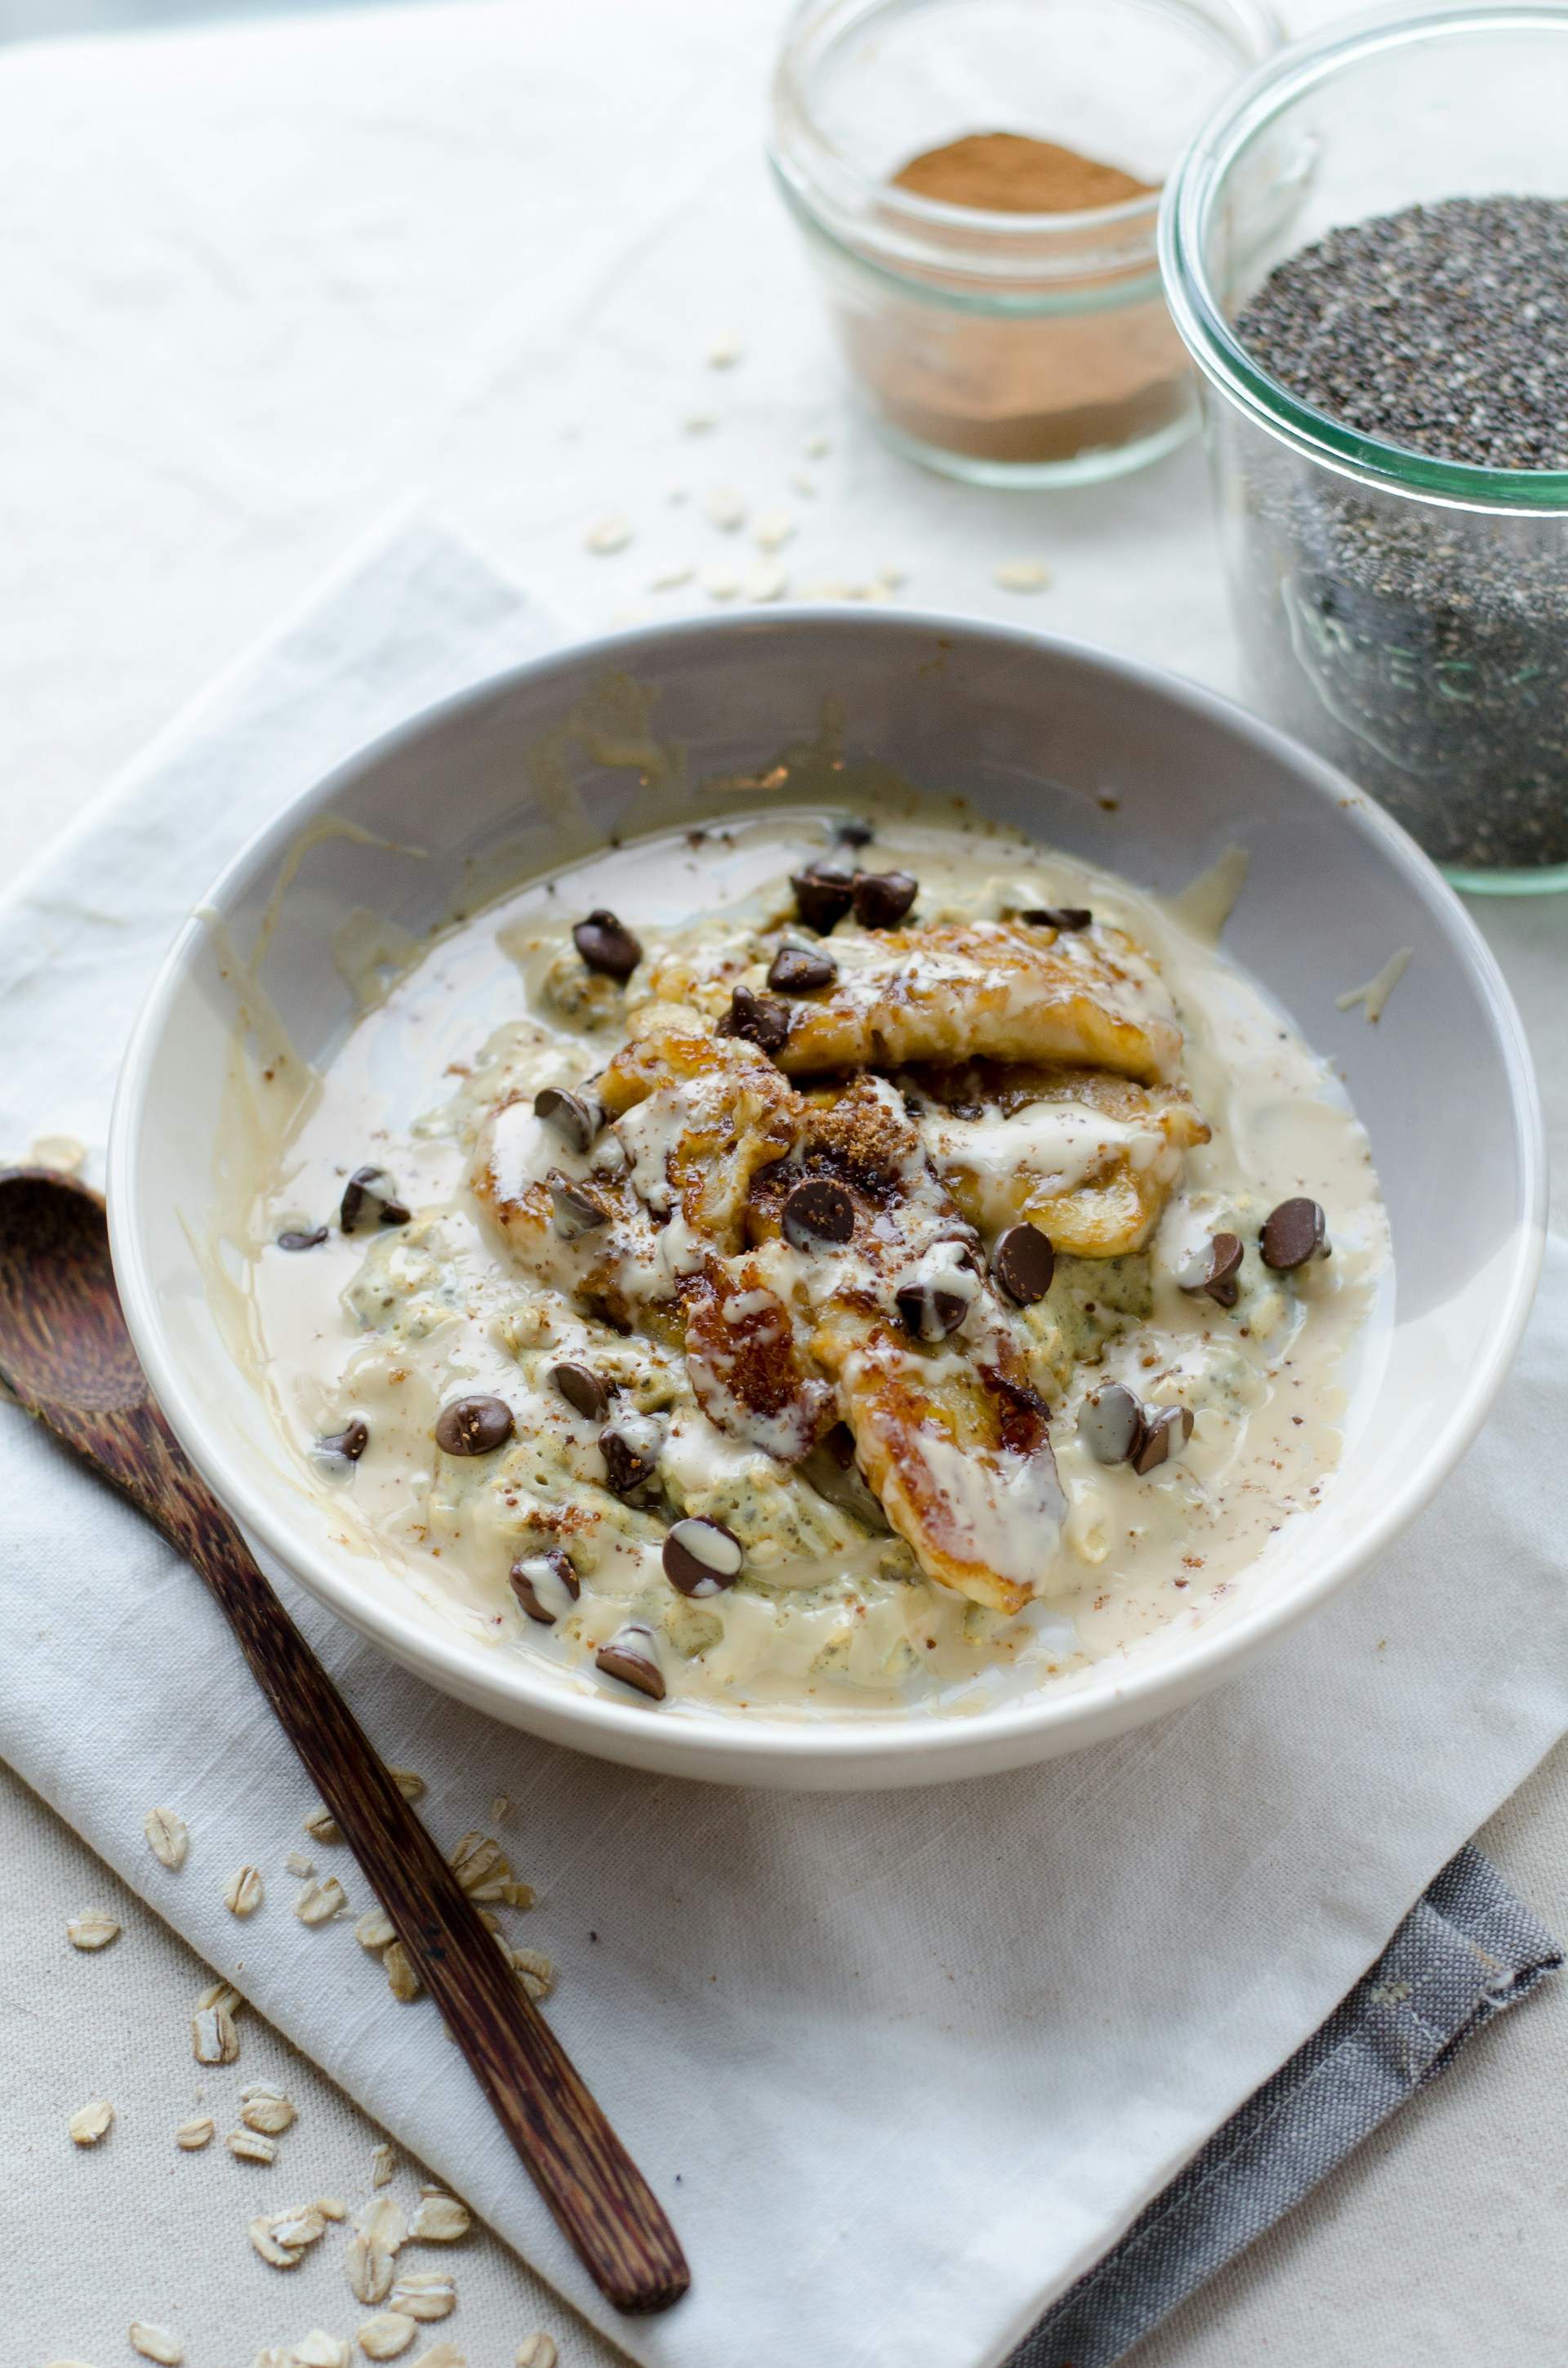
66,1352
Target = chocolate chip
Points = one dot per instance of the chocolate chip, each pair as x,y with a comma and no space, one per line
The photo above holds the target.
1213,1268
348,1445
633,1658
1293,1232
1110,1423
545,1585
575,1118
929,1310
370,1197
294,1239
801,970
1022,1264
1057,917
583,1390
607,944
757,1017
822,896
702,1557
883,898
474,1426
818,1210
1165,1428
630,1459
578,1209
855,833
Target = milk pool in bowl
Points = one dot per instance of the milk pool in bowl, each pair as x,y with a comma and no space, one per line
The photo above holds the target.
361,1339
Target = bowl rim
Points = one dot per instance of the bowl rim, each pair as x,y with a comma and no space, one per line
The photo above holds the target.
988,1738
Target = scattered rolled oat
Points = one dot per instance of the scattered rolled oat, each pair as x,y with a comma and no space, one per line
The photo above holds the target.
773,529
503,1888
500,1808
390,2332
321,1900
401,1980
802,482
891,577
534,1971
721,583
766,581
424,2294
319,2349
247,2146
284,2237
298,1863
321,1825
537,2351
699,423
817,447
94,1930
724,350
169,1836
441,2355
412,1786
332,2207
607,535
222,1994
265,2108
726,508
191,2137
156,2344
375,1930
668,579
383,2165
214,2035
243,1892
1021,576
90,2123
476,1856
438,2219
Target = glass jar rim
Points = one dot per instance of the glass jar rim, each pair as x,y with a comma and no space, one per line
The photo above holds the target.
1184,212
834,192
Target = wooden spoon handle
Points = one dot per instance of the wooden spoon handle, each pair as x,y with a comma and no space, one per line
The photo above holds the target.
598,2196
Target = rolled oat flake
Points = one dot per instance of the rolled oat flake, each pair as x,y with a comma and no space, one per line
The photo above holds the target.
1292,1233
607,944
474,1426
633,1658
702,1557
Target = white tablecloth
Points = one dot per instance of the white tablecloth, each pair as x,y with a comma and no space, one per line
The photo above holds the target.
255,284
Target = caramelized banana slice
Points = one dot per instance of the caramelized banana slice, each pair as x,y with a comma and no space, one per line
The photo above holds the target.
986,989
1090,1159
951,1436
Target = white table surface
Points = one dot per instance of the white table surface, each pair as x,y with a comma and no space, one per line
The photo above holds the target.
259,285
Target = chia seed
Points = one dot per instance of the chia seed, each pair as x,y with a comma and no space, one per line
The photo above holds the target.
1423,647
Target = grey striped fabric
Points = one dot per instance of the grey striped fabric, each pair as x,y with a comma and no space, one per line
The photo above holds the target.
1466,1950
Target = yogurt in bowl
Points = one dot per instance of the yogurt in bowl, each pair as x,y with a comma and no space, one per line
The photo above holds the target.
1012,1467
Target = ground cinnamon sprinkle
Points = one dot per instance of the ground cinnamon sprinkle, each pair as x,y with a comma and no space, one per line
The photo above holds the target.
1094,365
1006,173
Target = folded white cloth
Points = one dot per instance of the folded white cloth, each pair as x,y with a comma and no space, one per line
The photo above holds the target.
901,2067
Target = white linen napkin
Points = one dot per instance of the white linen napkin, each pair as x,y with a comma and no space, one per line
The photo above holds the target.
902,2067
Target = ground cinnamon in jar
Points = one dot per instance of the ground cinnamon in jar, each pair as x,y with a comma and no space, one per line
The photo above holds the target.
1079,359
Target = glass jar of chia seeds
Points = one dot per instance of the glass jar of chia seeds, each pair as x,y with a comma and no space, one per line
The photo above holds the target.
1398,562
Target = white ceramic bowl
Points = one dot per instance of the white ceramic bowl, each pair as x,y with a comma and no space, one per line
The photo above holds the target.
1036,732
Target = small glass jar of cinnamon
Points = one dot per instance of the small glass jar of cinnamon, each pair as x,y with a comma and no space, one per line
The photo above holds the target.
978,185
